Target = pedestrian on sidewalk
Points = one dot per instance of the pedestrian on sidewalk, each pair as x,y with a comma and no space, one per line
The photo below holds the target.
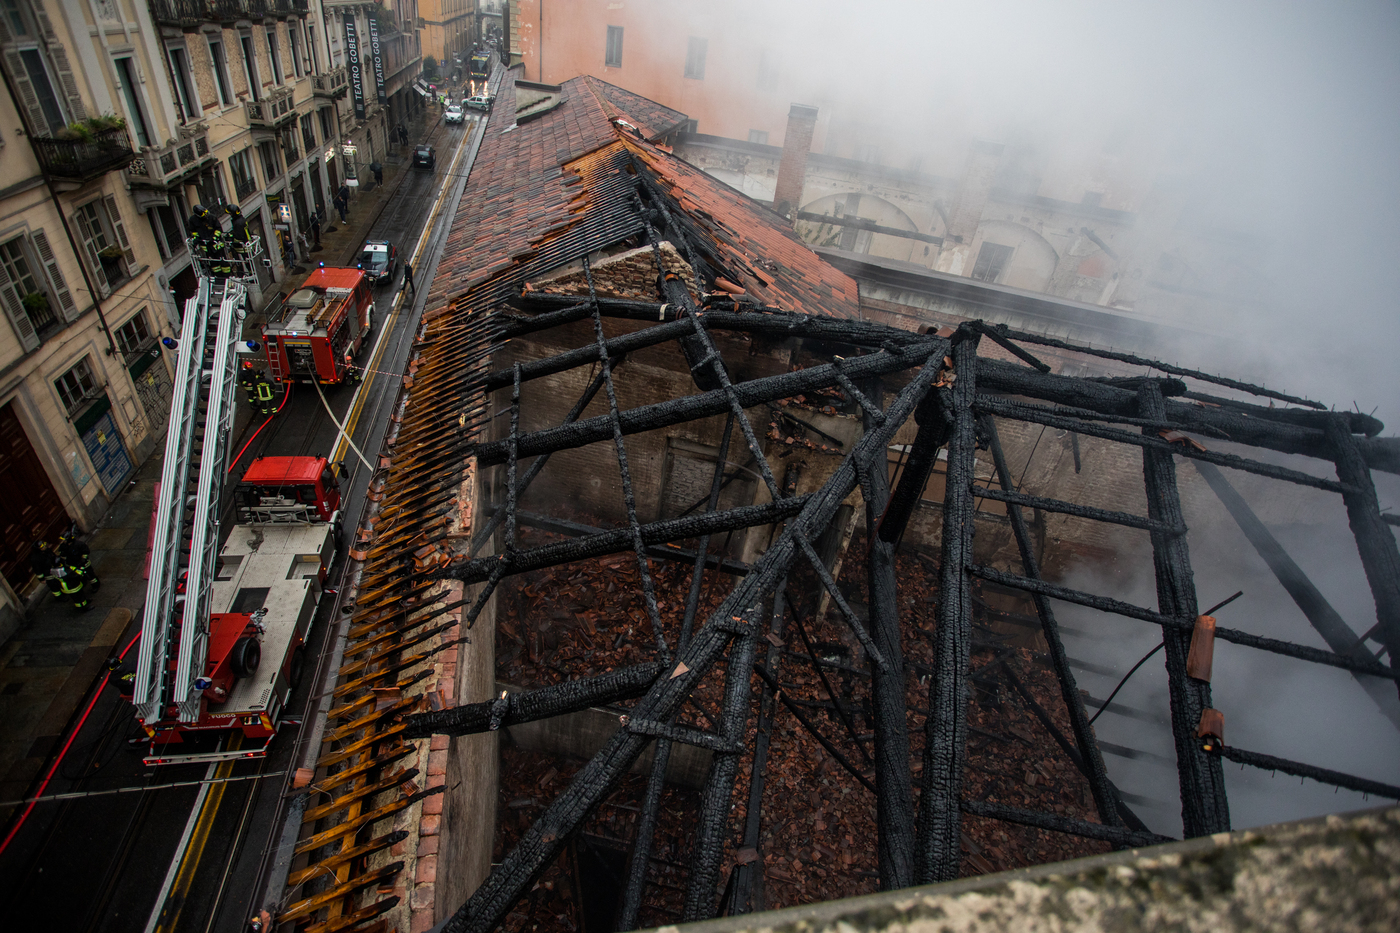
342,200
316,229
403,134
378,171
408,279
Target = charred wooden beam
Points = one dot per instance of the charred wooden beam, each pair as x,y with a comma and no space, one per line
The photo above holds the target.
945,744
1204,808
817,666
1162,367
1380,556
1017,499
1118,607
546,837
1032,413
610,542
1319,612
894,798
691,408
844,608
1298,769
934,428
1105,798
998,333
1124,813
1379,453
511,709
650,812
816,733
670,552
1124,838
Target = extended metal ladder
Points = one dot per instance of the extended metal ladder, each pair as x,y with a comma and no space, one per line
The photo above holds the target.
175,624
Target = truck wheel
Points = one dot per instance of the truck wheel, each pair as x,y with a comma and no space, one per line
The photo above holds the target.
298,663
246,656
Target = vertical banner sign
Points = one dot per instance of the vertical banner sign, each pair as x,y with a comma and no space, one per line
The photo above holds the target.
378,62
357,80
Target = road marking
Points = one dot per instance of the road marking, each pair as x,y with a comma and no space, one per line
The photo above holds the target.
196,827
357,400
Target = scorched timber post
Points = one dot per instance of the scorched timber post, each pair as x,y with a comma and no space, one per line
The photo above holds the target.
1204,808
945,748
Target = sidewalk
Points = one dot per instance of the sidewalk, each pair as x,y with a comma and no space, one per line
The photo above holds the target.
51,663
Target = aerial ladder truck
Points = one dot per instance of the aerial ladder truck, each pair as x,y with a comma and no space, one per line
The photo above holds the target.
223,629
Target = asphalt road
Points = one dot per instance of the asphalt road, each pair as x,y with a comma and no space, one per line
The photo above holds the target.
200,839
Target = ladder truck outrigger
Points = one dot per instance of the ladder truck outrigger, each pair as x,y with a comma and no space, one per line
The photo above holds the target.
223,630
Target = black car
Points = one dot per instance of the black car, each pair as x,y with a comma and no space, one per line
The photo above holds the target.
379,260
425,157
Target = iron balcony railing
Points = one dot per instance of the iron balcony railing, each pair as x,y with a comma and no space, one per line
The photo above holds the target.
331,84
273,110
190,12
161,166
104,151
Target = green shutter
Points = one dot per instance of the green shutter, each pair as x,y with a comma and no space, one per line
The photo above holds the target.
19,318
66,308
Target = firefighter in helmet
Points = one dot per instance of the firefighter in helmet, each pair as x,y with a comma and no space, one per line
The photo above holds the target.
239,237
123,675
262,387
248,381
202,230
44,563
79,579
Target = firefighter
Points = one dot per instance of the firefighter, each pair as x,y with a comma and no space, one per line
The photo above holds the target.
248,381
203,230
239,236
263,391
44,562
77,560
123,675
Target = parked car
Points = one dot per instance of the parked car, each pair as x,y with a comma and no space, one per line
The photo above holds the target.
453,114
380,261
480,102
425,157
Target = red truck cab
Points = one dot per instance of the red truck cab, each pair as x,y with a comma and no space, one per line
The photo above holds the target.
288,489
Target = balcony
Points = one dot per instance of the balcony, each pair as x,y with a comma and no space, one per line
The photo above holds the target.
334,84
194,12
84,159
163,166
274,110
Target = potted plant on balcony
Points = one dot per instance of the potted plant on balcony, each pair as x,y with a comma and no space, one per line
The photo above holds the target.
36,305
113,263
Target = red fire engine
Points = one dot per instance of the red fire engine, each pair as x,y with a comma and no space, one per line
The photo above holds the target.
318,331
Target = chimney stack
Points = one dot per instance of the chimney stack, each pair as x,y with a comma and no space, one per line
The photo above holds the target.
792,171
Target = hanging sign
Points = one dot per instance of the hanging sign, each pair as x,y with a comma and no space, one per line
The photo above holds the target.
378,61
357,79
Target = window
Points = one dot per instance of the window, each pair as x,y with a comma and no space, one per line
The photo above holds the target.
26,299
326,133
245,182
77,386
14,16
170,234
221,78
758,136
38,77
273,56
211,187
186,95
289,143
99,225
692,127
695,58
294,48
308,133
613,57
271,160
126,77
134,336
250,65
311,47
991,261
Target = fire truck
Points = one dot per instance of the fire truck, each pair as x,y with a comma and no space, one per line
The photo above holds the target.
223,628
318,331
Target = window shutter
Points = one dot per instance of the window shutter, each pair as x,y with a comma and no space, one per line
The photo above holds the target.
66,308
115,216
19,318
59,59
94,261
19,76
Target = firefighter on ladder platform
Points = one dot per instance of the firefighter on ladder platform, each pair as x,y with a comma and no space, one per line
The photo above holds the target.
239,237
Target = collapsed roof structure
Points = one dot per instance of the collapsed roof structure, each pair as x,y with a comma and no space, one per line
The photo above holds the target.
630,358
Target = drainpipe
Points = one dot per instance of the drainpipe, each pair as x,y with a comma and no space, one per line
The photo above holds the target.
62,218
